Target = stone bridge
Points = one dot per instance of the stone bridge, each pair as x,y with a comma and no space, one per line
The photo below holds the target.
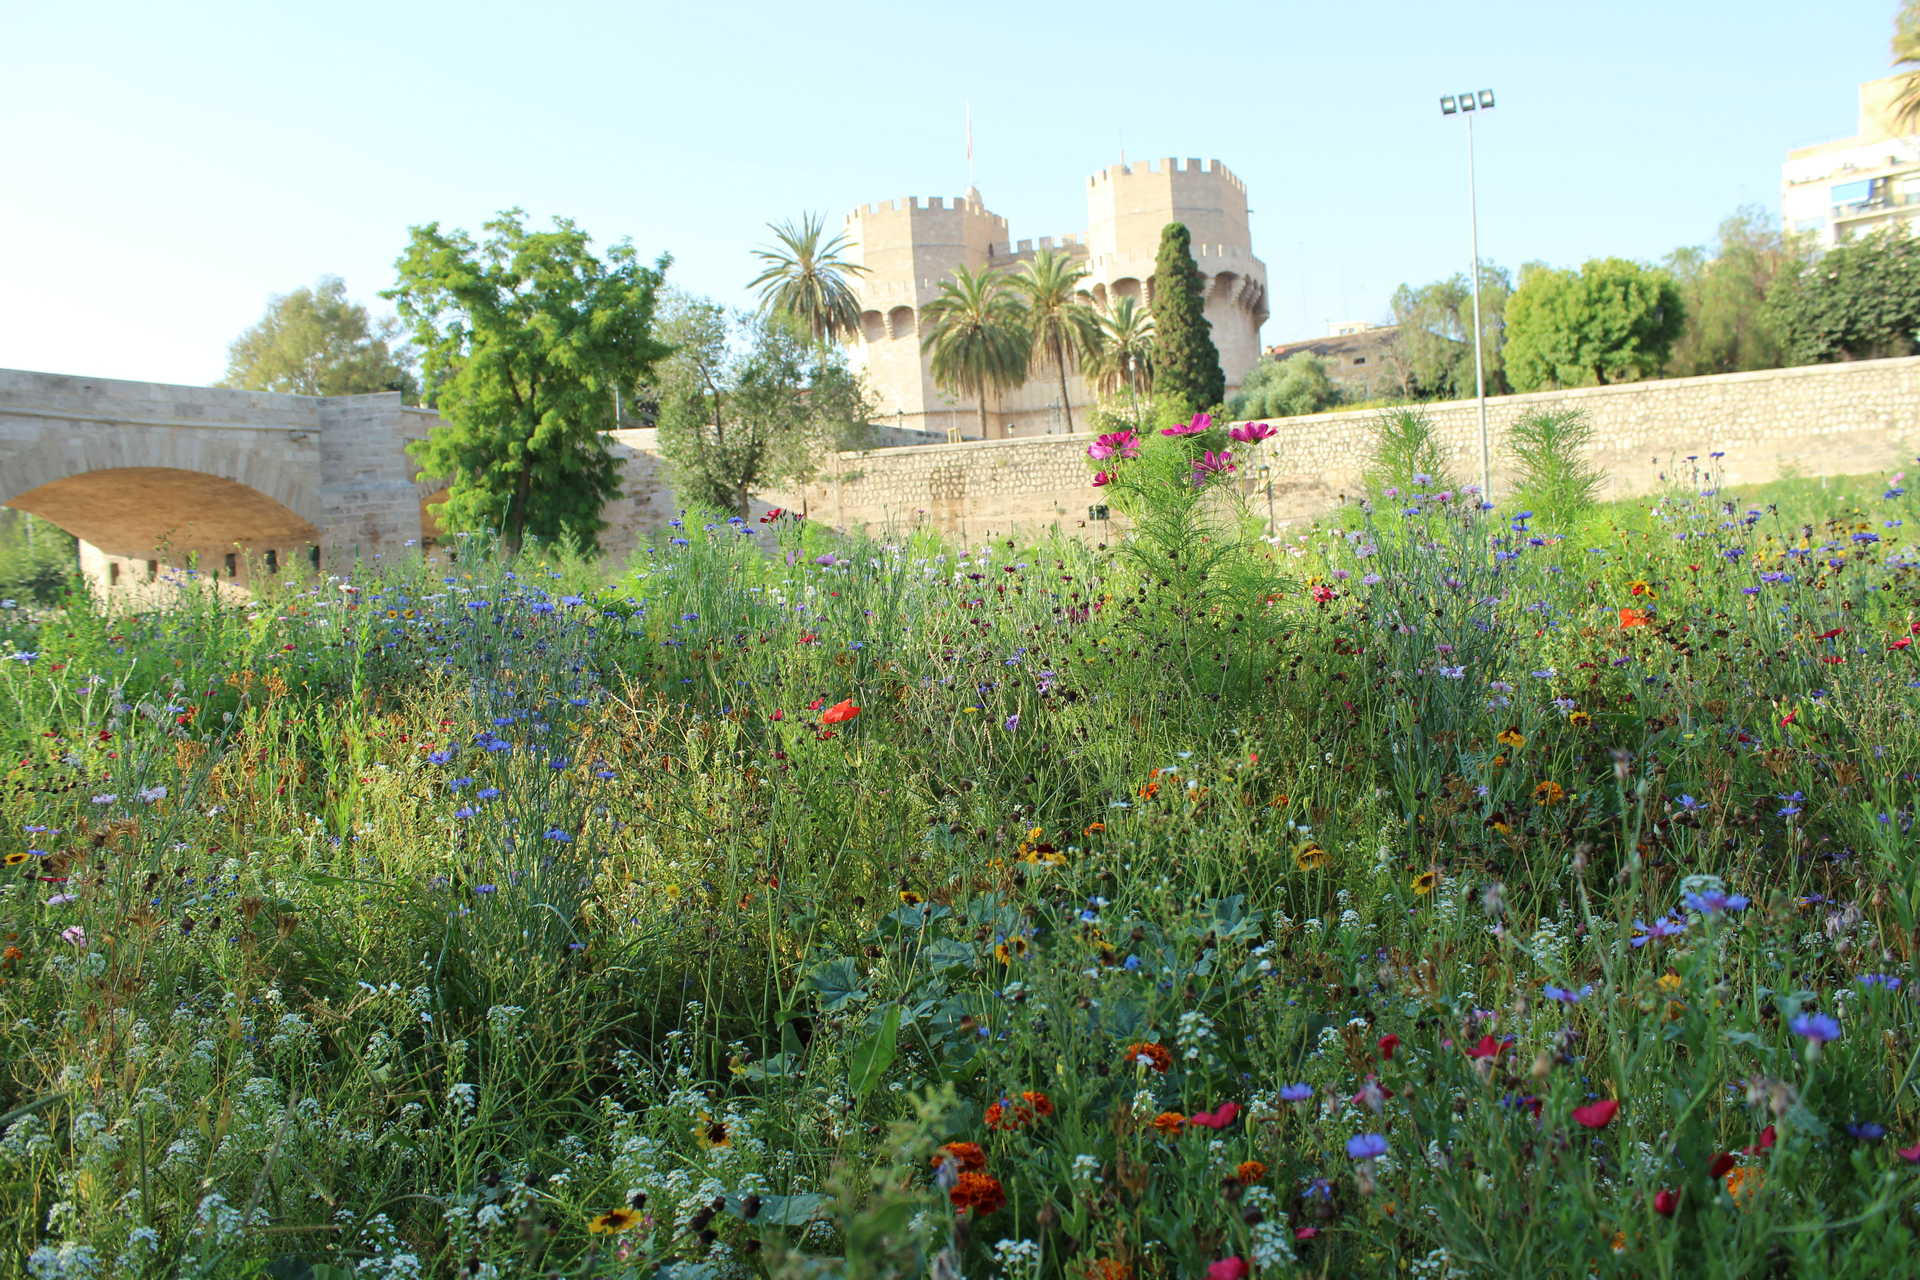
240,483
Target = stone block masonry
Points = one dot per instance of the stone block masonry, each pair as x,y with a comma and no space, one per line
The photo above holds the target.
1834,419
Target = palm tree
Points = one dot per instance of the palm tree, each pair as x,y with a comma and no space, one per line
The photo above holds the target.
1060,324
1125,357
806,278
976,331
1906,52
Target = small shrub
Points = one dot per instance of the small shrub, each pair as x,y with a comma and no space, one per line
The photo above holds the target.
1547,447
1404,446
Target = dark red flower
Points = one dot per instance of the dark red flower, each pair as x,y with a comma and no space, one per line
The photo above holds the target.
1665,1202
1597,1115
1388,1043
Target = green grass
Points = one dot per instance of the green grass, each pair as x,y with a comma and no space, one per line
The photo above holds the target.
484,901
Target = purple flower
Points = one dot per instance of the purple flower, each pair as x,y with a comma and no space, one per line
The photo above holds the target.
1817,1027
1867,1130
1886,980
1691,805
1713,902
1200,422
1251,432
1662,927
1366,1146
1011,723
1565,996
1296,1092
1212,462
1121,444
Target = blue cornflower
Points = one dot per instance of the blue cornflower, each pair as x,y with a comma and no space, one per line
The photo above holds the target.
1886,980
1296,1092
1565,996
1366,1146
1691,805
1817,1027
487,793
1713,902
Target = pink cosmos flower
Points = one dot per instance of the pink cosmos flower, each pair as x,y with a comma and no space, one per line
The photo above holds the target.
75,934
1234,1268
1200,422
1211,462
1100,478
1251,432
1121,444
1218,1118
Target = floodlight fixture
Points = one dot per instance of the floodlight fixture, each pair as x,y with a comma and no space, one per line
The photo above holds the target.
1465,104
1468,102
1448,106
1486,99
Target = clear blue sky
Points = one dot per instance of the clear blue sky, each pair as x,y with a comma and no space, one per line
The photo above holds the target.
168,166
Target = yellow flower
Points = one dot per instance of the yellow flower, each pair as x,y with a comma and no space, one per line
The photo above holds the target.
1548,792
1511,737
1668,983
712,1133
1424,882
15,858
910,898
1579,719
613,1222
1310,857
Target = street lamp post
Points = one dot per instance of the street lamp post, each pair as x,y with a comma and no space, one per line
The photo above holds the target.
1266,476
1467,104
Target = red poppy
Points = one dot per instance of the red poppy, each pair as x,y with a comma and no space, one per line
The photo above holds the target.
1234,1268
1218,1118
1388,1043
1634,618
1767,1136
1597,1115
1488,1047
1910,1154
1665,1202
840,712
1721,1164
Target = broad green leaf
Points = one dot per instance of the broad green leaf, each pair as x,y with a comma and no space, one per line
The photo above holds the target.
870,1061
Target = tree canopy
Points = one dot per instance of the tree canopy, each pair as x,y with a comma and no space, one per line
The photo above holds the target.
1729,328
527,336
1432,352
316,342
1857,301
1061,326
1610,321
747,400
1186,364
1285,388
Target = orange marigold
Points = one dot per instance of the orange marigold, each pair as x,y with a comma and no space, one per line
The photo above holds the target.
1743,1184
1108,1269
1249,1172
1169,1122
1042,1105
967,1155
1154,1055
977,1193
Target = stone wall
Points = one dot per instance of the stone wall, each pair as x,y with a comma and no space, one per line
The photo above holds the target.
1821,420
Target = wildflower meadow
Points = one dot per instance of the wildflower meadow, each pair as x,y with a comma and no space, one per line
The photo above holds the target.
1447,889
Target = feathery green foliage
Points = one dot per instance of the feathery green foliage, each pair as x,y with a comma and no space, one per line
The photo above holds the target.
977,333
1553,475
1186,364
528,336
1405,446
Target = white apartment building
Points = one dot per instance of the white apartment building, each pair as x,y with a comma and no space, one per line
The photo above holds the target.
1838,191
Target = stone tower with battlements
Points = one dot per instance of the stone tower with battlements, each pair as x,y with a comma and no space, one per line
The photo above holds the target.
909,246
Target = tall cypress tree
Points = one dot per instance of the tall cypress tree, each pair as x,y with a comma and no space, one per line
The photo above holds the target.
1185,361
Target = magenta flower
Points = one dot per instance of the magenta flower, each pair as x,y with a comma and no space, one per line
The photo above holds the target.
1201,422
1251,432
1211,463
1100,478
1121,444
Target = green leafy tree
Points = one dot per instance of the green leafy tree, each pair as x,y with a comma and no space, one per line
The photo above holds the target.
1611,321
1061,327
1186,364
315,342
1858,301
977,333
1285,388
1432,348
528,337
1123,358
747,400
1729,328
805,276
1552,474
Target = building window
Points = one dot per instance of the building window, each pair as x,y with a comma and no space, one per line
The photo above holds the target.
273,560
313,556
1359,359
233,564
153,570
113,573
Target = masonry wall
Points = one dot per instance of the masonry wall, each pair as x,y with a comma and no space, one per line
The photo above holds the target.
1824,420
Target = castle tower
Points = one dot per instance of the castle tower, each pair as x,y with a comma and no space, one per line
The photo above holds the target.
909,246
1127,208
